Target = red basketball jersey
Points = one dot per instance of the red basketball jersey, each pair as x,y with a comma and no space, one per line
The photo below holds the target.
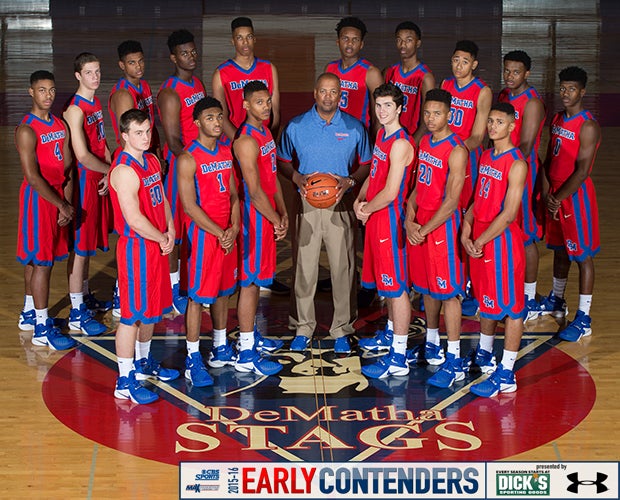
267,167
142,99
189,94
233,78
150,194
519,102
94,128
464,105
565,140
433,170
355,99
411,85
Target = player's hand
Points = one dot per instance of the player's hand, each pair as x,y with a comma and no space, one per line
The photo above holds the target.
168,245
413,232
65,213
281,228
228,238
358,208
103,186
553,205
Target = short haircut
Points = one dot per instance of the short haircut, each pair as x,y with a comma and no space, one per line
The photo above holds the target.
574,74
132,116
253,86
351,22
82,59
519,56
41,74
390,90
408,25
241,22
179,37
328,75
439,95
467,46
128,47
504,107
205,103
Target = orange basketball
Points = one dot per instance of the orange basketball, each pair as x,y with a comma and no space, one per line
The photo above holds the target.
321,190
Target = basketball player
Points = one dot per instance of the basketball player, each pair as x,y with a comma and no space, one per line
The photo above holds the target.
433,222
327,140
572,225
471,101
209,195
380,206
493,239
529,122
175,101
412,76
265,221
143,221
45,209
84,115
230,77
358,77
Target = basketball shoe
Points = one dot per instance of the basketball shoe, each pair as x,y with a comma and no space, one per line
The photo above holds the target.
579,327
392,364
501,380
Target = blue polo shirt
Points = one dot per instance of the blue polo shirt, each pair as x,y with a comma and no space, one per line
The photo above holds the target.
325,147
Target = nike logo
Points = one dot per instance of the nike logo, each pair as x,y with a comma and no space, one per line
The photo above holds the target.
566,216
383,240
486,261
439,242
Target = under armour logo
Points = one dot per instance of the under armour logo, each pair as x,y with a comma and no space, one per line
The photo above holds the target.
387,280
576,483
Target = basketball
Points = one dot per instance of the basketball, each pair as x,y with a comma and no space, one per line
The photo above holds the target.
321,190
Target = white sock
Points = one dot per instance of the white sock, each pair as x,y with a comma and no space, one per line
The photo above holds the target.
559,285
219,337
390,325
399,344
508,359
174,278
41,316
125,365
116,286
585,301
432,335
454,347
77,299
143,349
530,291
246,340
486,342
28,303
192,347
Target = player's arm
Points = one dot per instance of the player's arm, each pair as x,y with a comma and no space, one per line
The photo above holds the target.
220,94
533,116
275,103
374,78
230,235
512,205
186,177
120,102
466,227
246,151
282,228
457,163
74,117
428,83
360,202
26,141
67,155
589,137
170,112
126,184
412,228
479,129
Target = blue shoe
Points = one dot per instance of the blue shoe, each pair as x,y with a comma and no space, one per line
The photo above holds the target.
300,343
434,354
533,310
221,356
130,388
579,327
342,345
263,344
179,302
381,341
554,306
146,368
96,305
116,304
391,364
47,334
251,361
28,320
469,306
451,371
80,320
421,306
481,360
502,380
196,371
413,355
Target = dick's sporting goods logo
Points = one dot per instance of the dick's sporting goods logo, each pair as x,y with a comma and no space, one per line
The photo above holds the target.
534,484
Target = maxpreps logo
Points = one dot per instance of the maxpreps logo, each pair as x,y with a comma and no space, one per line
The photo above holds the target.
204,475
534,484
